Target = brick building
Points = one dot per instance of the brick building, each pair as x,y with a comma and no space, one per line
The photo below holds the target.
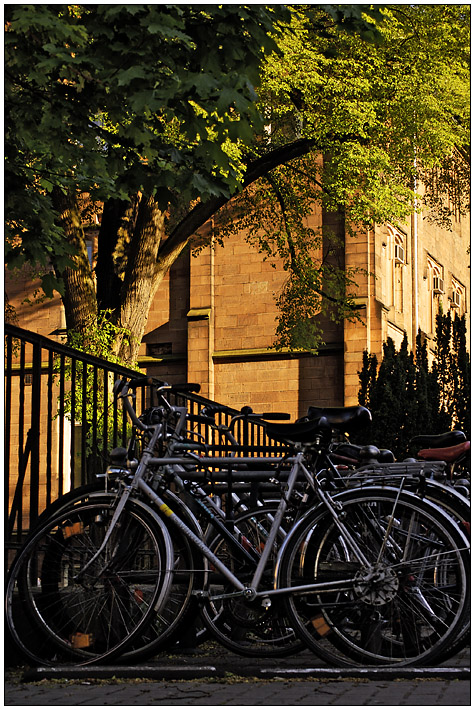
214,318
213,322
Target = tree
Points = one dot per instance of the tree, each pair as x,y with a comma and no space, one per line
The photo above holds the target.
371,110
442,376
387,402
396,395
367,375
159,116
407,398
451,374
134,105
462,380
423,387
410,403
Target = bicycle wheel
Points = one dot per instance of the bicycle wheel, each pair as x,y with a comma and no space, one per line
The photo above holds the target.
88,612
179,611
247,627
400,572
443,495
457,506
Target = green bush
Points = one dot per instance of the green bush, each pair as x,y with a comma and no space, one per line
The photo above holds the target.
407,397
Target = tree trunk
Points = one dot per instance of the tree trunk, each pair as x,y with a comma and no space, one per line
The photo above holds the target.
142,276
116,232
152,255
79,296
134,256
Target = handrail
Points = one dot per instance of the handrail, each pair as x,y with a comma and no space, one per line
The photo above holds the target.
48,344
48,451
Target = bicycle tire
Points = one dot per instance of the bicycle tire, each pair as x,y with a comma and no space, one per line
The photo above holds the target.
452,502
179,613
441,494
379,620
94,616
246,627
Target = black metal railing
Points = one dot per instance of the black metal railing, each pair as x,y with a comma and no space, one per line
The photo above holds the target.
61,420
250,434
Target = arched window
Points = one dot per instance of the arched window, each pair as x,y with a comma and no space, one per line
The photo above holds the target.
436,288
457,296
397,251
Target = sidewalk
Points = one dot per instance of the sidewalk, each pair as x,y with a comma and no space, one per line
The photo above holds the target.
218,677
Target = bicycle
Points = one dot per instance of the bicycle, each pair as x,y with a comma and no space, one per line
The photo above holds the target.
179,610
373,544
435,475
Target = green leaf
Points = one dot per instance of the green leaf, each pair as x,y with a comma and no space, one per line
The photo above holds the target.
50,283
128,76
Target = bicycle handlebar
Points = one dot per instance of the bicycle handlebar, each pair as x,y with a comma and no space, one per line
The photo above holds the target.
162,386
246,413
122,389
213,408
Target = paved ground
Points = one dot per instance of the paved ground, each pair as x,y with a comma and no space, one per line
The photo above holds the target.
218,677
357,692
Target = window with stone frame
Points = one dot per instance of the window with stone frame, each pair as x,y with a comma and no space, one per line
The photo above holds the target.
436,291
457,296
397,244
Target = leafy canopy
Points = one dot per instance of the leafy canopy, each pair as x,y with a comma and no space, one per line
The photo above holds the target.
176,101
384,113
111,99
391,118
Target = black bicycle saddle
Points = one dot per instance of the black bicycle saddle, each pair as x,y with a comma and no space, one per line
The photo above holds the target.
344,419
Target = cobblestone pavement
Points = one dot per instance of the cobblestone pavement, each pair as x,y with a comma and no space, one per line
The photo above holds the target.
356,692
232,683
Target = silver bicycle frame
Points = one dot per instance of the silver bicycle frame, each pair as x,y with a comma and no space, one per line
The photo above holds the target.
138,483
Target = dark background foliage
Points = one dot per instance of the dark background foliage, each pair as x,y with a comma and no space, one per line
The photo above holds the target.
407,397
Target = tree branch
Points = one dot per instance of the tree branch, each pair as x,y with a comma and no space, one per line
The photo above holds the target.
204,210
294,265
